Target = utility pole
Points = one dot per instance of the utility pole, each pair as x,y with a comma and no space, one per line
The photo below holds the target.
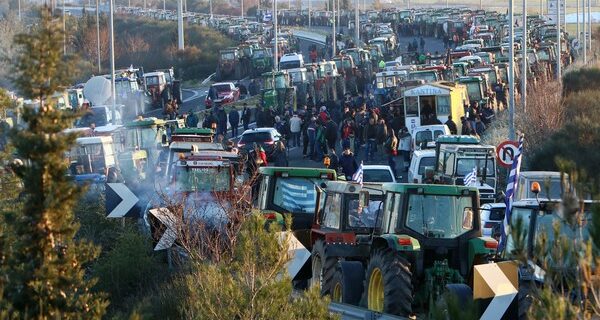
356,26
112,62
447,5
525,63
333,42
144,5
242,8
164,5
584,26
558,50
180,42
511,73
578,34
98,33
480,4
19,10
276,58
210,8
338,15
309,15
590,24
64,29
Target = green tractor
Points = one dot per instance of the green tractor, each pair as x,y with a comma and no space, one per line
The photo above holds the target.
303,83
476,89
262,61
426,244
278,92
143,141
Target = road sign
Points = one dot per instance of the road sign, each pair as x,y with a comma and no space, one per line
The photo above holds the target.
120,201
553,11
576,44
298,253
163,226
506,152
495,285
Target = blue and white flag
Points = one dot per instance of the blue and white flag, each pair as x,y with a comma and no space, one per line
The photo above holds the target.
358,175
513,180
471,178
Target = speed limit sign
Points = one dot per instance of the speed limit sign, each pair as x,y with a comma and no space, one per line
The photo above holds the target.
506,153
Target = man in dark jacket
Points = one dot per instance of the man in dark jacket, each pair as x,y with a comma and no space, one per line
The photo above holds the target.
246,115
451,125
347,162
331,134
234,122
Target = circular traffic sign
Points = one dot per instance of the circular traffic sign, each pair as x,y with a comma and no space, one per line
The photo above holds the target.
506,152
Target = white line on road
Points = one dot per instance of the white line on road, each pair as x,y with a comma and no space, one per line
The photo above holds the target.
195,95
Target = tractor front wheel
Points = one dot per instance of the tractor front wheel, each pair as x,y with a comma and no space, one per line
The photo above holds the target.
323,267
388,283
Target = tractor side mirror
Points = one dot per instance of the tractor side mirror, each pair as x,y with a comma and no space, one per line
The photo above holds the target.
467,223
363,198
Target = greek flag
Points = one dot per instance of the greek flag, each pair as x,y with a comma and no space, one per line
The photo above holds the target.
358,175
471,178
513,180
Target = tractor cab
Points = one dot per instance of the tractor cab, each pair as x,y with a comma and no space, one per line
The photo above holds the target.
475,88
145,135
460,69
262,60
91,158
278,91
156,83
458,157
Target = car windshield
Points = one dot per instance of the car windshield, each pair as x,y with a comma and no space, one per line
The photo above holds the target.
423,137
426,162
202,179
255,137
440,216
227,56
364,217
295,195
96,116
466,165
377,175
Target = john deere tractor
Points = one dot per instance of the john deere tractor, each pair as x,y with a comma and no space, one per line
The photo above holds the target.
428,241
262,61
278,92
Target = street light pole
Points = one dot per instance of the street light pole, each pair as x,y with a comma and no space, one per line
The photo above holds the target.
525,64
64,21
578,34
98,33
112,62
210,8
558,44
584,27
180,43
511,73
356,26
333,26
590,24
276,60
242,8
309,8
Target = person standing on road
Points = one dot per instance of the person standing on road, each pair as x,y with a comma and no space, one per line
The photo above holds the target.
347,162
295,128
391,149
405,147
234,122
246,115
370,134
451,125
331,134
311,133
304,131
191,121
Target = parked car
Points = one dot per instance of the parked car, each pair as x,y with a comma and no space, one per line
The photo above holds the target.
492,215
378,174
221,92
264,137
421,160
423,137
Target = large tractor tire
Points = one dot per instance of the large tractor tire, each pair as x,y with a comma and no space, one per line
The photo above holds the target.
347,286
388,283
323,267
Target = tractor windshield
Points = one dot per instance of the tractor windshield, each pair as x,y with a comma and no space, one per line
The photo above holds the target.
440,216
295,195
202,179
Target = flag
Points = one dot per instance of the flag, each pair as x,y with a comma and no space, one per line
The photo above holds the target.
358,175
471,178
513,180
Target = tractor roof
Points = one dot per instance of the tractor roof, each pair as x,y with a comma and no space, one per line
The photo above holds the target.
194,131
145,122
428,188
299,172
457,139
353,187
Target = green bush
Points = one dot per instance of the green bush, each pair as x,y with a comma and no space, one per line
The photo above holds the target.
580,80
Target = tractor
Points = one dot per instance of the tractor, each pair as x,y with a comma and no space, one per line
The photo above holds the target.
304,86
278,92
262,61
229,65
362,59
426,244
345,66
340,219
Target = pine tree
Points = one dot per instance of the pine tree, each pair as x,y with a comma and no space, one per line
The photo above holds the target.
45,272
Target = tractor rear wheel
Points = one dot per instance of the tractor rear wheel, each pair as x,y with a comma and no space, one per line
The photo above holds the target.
323,267
388,283
347,285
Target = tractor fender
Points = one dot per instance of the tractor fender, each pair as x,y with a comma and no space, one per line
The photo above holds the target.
397,242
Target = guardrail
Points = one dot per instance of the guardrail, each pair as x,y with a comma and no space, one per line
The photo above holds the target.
309,36
349,312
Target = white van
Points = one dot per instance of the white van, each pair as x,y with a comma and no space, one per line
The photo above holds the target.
291,61
421,159
423,137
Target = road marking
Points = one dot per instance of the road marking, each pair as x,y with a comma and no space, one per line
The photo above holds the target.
196,94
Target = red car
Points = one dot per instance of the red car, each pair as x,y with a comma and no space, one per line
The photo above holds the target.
220,93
